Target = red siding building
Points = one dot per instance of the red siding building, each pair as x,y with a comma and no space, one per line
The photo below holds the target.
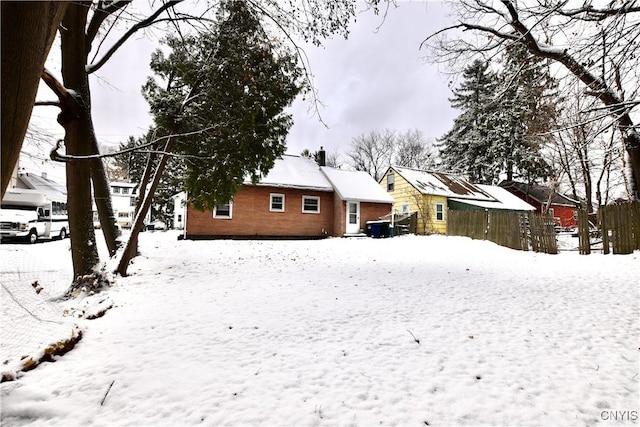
563,208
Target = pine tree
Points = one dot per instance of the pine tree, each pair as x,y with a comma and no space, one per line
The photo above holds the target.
505,120
466,148
525,114
237,81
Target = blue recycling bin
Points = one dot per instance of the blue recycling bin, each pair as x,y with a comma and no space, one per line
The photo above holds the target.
377,229
373,229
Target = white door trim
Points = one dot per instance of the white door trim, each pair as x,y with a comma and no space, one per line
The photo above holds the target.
353,218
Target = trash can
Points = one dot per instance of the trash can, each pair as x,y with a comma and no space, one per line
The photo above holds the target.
373,229
378,229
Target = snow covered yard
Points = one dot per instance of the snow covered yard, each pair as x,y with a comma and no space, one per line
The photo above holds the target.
404,331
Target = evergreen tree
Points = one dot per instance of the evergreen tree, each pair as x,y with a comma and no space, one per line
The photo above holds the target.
467,147
130,164
237,81
524,115
504,122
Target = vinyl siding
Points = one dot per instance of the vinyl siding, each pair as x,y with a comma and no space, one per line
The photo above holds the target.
424,205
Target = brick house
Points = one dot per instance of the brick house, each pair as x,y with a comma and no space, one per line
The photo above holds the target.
296,199
563,208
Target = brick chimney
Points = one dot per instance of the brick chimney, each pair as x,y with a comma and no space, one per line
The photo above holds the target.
322,157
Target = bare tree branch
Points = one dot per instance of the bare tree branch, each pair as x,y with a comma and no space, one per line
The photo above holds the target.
102,12
55,155
142,24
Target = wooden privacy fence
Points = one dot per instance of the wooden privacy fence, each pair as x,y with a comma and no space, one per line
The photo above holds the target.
511,229
619,228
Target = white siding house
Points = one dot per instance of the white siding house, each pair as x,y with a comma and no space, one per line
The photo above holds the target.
123,199
179,210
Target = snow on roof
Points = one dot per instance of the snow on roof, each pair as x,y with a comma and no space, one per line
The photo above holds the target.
123,184
540,193
503,200
442,184
295,172
356,185
24,197
42,184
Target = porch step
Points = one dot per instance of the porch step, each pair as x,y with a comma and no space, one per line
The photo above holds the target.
354,235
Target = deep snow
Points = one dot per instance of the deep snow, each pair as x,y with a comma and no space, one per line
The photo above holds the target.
406,331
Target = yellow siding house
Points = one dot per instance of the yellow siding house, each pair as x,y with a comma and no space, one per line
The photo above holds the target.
431,194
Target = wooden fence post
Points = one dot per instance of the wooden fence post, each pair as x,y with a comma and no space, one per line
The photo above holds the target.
584,245
604,228
635,223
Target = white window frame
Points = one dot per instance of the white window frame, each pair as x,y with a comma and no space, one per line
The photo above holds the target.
271,208
215,211
391,182
405,208
310,198
441,212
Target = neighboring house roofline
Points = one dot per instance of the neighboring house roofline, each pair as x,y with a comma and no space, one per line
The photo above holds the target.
123,184
440,184
42,184
540,193
505,200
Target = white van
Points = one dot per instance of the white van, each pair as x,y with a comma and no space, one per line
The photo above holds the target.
30,215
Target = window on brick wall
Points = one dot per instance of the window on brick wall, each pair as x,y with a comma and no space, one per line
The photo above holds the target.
223,211
310,204
276,203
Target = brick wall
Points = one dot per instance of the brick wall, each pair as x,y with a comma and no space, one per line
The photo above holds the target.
339,216
372,211
368,212
251,216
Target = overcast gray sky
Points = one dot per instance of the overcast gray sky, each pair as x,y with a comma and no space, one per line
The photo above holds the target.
375,79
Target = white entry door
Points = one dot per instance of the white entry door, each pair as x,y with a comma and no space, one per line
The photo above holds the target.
353,217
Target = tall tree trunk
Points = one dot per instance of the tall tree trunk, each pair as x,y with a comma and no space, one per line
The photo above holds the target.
102,197
83,140
142,191
583,155
28,30
632,145
131,248
78,131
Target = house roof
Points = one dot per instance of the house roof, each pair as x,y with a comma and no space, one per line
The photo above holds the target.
304,173
504,200
539,193
295,172
356,185
442,184
42,184
123,184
